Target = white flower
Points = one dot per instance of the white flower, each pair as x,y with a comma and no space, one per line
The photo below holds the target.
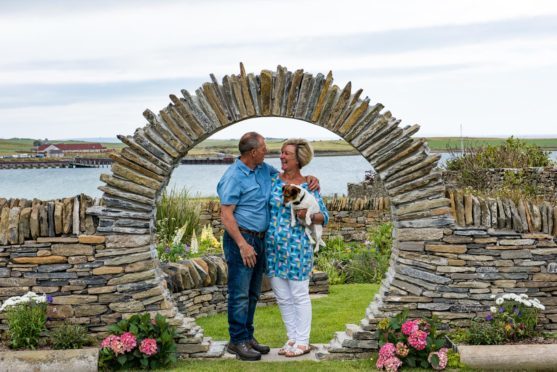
493,309
492,296
527,303
523,295
26,298
194,244
499,301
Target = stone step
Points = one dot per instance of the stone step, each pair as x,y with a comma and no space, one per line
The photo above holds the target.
347,342
357,333
324,353
194,348
216,350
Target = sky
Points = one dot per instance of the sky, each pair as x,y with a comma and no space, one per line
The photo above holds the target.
84,69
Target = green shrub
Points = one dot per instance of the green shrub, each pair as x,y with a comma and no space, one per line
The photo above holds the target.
26,317
175,210
514,153
70,336
139,342
356,262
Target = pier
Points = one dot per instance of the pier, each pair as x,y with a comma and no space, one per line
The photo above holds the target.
93,162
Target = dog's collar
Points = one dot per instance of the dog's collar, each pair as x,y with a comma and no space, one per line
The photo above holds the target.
299,201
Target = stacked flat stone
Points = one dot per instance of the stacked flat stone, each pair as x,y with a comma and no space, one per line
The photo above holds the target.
213,299
22,219
503,213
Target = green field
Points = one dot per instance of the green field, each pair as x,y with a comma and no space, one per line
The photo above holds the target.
212,146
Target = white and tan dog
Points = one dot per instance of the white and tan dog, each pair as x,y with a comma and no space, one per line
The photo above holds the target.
299,198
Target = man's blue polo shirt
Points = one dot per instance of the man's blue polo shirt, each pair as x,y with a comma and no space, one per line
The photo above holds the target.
249,191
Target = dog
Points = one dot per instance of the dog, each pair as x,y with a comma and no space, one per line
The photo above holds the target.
297,198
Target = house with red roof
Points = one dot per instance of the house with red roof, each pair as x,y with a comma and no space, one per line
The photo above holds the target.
70,149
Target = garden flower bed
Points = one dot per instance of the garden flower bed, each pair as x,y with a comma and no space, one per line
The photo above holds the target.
507,338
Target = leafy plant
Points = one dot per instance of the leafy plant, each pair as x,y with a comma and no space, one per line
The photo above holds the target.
177,251
412,343
175,210
514,317
70,336
355,262
471,165
26,317
139,342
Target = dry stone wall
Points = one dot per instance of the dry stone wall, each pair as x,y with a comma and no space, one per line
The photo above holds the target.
349,218
22,219
503,213
434,269
208,297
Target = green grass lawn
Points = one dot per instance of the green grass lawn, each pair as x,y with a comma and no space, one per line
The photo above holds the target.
345,304
298,366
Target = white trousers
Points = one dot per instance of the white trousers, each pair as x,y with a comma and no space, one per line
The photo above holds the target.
295,307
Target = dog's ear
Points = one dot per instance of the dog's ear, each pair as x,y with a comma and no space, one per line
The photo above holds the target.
283,188
294,191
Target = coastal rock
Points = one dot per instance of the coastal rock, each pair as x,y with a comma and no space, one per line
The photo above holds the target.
4,225
203,269
485,219
75,216
24,228
67,215
34,229
132,278
212,270
72,250
13,225
536,218
468,210
39,260
43,220
58,217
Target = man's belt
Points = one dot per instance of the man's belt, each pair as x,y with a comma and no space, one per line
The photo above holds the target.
257,234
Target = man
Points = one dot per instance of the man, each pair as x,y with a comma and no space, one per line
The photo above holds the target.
244,192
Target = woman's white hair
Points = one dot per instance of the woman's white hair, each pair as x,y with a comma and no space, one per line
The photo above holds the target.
304,151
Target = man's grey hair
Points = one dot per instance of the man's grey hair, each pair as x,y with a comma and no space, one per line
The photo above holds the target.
249,141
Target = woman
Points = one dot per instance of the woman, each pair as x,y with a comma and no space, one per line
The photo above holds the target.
289,253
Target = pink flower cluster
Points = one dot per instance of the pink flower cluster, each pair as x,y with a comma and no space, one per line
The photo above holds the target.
410,326
127,342
148,346
443,358
387,358
401,349
418,340
114,343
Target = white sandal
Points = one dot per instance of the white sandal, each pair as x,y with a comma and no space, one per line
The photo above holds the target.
298,350
287,347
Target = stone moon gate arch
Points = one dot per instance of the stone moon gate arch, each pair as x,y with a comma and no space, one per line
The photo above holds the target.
420,210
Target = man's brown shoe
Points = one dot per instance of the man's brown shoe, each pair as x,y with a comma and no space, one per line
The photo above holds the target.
244,351
263,349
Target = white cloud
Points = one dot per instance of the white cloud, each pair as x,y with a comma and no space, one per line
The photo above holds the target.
425,79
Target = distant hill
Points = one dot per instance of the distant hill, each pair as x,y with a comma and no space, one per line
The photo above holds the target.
322,147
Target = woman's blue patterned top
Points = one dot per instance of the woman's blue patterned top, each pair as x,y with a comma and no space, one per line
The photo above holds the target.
289,253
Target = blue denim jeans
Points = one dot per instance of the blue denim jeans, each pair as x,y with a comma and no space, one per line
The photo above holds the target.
244,286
